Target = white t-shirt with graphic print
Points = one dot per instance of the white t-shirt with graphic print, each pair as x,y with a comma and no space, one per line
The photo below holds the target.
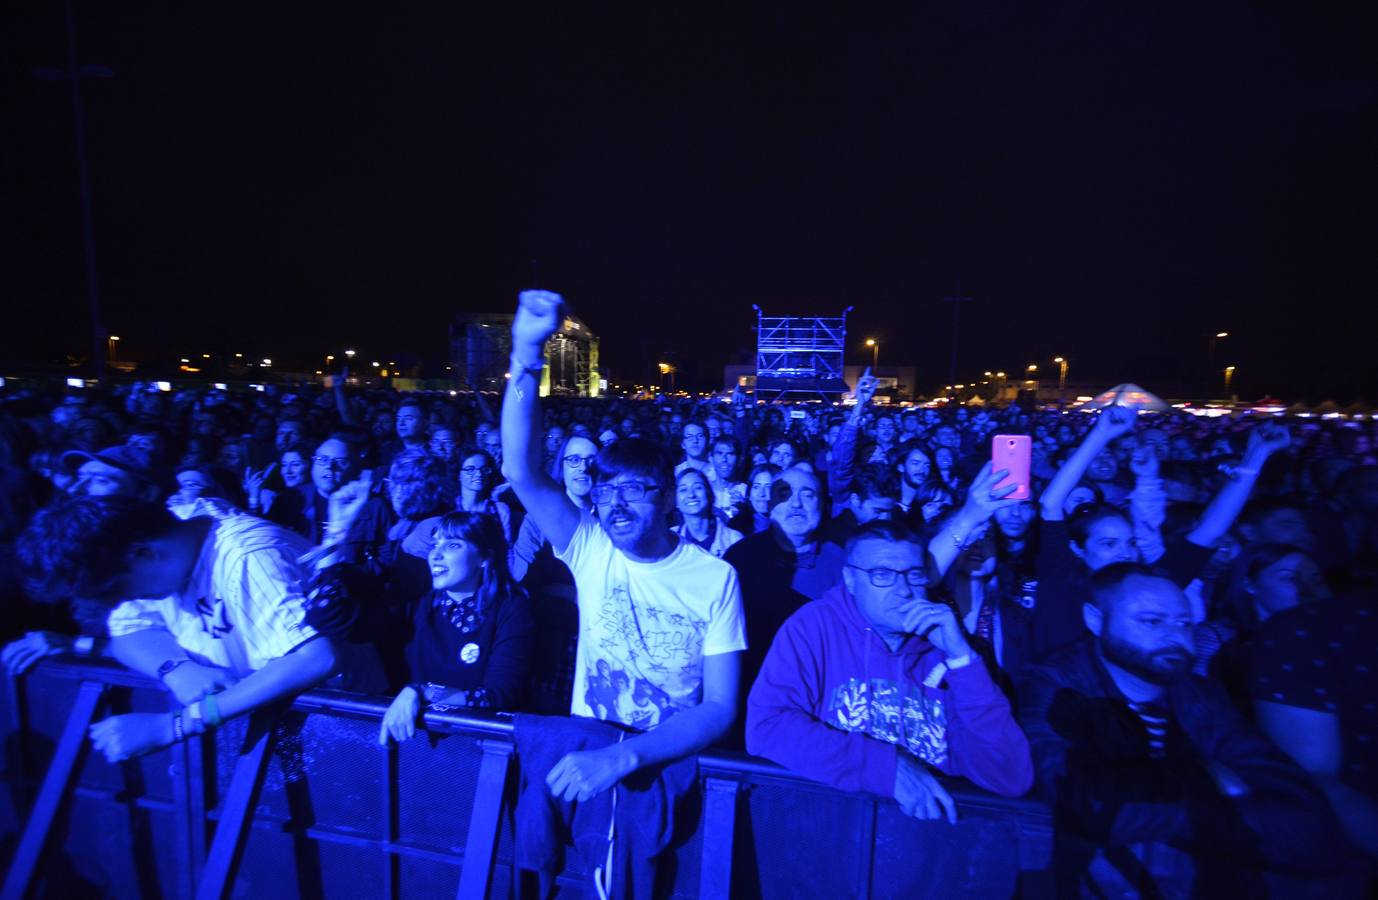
644,628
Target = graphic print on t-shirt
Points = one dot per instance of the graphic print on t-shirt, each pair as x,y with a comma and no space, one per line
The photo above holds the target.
896,714
645,663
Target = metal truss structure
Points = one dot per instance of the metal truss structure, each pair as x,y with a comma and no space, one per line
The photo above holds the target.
800,357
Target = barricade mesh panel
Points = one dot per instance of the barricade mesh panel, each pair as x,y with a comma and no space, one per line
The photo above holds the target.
800,843
425,878
976,857
341,768
434,809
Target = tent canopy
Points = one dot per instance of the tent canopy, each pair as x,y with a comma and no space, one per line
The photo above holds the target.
1128,395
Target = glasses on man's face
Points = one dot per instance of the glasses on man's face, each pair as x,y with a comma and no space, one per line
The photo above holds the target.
627,491
334,463
882,577
575,461
475,470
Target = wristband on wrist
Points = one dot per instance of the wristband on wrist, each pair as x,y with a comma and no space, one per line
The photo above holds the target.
211,707
178,735
957,662
517,367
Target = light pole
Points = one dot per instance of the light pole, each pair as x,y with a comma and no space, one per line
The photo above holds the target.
1229,377
1061,379
875,353
1210,355
73,75
110,343
667,369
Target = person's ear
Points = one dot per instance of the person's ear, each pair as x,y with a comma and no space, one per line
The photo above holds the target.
1093,617
849,579
1076,550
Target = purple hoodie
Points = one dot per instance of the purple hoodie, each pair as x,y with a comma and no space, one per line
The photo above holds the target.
833,703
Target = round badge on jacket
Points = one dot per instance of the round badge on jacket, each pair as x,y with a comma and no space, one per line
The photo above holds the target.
469,653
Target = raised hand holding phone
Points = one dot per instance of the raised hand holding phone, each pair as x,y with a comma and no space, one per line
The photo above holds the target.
1012,454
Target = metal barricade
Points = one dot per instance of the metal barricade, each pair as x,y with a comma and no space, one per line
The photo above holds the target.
306,803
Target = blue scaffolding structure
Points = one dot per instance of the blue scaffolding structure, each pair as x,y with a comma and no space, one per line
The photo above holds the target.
800,357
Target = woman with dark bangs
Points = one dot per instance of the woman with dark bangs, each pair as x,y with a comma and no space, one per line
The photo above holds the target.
471,635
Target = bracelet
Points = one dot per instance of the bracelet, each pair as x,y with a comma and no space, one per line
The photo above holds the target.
178,735
195,715
516,367
212,709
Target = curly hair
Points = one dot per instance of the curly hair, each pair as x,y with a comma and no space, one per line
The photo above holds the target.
77,546
427,487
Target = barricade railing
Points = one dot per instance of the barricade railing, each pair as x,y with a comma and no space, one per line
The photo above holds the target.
304,802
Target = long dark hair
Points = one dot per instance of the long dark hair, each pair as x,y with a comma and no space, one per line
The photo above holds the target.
484,532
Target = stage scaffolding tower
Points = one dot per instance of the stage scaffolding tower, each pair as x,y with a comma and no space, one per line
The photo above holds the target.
800,357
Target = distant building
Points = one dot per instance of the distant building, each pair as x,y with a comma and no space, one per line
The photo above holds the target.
481,345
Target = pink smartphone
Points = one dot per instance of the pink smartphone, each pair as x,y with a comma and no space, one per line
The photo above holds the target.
1012,453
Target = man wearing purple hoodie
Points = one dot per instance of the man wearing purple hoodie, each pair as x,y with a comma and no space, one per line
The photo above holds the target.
875,688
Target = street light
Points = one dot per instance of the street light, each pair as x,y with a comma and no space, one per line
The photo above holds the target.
349,353
1061,377
110,343
875,352
1229,376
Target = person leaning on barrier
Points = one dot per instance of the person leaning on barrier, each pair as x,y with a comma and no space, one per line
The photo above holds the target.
660,620
875,688
213,606
471,635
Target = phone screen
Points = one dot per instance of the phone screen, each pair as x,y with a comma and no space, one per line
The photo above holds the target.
1012,453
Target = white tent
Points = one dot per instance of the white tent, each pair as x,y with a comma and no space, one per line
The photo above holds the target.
1128,395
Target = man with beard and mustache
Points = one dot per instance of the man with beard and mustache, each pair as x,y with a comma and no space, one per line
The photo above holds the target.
1158,785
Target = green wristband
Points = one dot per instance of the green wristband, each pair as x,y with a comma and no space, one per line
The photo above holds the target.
211,707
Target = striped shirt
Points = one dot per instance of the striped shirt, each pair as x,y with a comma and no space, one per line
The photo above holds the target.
243,605
1155,722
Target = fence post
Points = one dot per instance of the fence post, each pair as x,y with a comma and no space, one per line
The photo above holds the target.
71,749
481,842
719,826
237,812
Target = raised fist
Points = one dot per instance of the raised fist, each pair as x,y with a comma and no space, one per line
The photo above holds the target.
539,314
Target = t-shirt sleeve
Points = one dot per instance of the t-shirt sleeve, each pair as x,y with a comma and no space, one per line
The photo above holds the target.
586,544
270,606
137,615
726,621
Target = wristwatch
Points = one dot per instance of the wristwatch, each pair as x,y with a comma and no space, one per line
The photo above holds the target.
166,668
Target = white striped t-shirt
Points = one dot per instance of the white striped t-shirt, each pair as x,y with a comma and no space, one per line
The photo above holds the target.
244,604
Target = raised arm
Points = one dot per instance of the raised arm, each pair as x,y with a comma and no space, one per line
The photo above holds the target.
842,465
983,499
1224,508
538,317
1112,422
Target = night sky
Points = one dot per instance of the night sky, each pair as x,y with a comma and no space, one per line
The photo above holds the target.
1111,183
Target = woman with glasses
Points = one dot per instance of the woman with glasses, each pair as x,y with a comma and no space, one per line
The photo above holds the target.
550,585
699,524
470,640
478,475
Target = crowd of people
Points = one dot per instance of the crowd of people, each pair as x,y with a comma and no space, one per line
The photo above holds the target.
1169,639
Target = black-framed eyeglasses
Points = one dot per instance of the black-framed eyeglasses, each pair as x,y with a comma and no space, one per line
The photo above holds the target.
339,464
575,461
475,470
627,491
885,577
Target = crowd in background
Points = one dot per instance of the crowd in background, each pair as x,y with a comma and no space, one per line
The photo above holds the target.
436,588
